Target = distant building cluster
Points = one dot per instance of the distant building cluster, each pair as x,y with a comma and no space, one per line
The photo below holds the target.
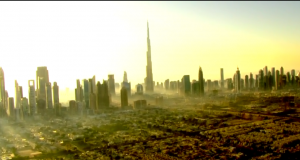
92,96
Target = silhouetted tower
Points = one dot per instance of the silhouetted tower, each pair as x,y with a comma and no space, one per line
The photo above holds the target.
270,80
273,76
293,76
201,82
186,85
31,97
261,80
42,77
222,78
124,97
49,103
99,95
86,93
56,98
246,82
288,78
277,78
125,77
17,100
126,84
78,91
167,84
111,84
251,81
149,75
105,94
238,81
3,97
11,108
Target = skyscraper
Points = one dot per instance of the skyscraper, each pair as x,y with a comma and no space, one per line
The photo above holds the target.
167,84
17,100
201,82
222,78
277,80
78,90
42,77
111,84
293,76
49,103
31,97
246,82
125,77
186,85
124,97
3,97
126,84
56,97
251,81
149,75
237,81
11,108
86,92
273,76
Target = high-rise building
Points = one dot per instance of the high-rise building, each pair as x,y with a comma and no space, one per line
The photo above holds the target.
73,107
293,76
288,78
201,82
55,94
281,71
149,75
209,85
94,85
237,81
265,71
125,77
167,84
251,81
222,78
270,80
247,82
17,100
195,87
11,108
126,84
277,79
124,97
42,77
111,84
273,76
102,97
93,102
21,91
41,91
215,84
86,92
25,107
31,97
3,97
256,81
186,85
105,94
78,91
139,89
49,104
261,80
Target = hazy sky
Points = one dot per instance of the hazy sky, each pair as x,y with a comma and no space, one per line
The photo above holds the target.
77,40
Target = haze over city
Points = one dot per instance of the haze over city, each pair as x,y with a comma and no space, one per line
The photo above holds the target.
77,40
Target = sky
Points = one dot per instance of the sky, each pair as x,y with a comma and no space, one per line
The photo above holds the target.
78,39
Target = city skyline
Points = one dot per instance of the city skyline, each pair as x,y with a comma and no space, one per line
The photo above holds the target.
176,43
